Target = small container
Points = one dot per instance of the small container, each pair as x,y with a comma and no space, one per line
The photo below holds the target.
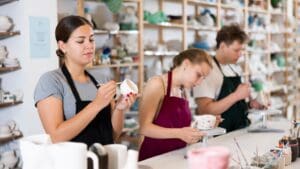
293,143
298,146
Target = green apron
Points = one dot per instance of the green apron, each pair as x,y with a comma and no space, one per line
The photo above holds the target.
236,116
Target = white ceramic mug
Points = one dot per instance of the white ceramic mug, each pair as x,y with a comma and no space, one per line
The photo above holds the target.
205,122
117,154
128,86
70,155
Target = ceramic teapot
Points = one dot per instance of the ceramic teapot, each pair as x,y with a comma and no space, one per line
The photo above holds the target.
6,24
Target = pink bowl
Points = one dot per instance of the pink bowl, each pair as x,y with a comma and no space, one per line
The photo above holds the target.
215,157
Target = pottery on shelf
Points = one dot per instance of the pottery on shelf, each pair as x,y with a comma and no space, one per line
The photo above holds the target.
6,24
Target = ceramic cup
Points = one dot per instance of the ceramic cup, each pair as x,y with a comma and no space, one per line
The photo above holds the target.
117,154
215,157
9,159
128,86
205,122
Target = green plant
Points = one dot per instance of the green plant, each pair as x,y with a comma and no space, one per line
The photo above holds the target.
113,5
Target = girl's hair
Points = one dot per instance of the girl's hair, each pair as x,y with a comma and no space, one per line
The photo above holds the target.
196,56
66,27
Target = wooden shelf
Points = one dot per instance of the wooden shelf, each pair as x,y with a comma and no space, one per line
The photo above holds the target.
257,32
277,88
114,65
265,52
9,69
158,53
136,1
230,7
277,13
4,35
254,10
125,32
2,105
203,28
3,2
11,137
164,24
202,3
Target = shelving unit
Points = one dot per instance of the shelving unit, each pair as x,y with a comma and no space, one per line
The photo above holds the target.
2,105
297,59
9,69
139,32
281,89
4,35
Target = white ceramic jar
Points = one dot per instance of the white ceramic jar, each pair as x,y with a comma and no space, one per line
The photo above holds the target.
6,24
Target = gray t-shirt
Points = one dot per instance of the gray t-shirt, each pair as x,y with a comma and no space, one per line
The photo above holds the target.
55,84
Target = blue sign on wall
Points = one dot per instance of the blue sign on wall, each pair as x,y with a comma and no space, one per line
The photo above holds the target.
39,37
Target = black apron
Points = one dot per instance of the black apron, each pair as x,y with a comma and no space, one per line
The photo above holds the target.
236,116
100,129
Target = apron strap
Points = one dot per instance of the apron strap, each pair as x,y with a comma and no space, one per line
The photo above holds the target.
233,71
70,82
169,83
219,66
92,78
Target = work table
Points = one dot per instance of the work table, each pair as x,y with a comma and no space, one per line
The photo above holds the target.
248,142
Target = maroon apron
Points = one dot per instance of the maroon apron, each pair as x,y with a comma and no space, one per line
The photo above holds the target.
174,113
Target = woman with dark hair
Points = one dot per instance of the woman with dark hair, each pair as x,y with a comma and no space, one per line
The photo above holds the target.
165,117
70,105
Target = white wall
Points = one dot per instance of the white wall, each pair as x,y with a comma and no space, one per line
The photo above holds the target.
25,79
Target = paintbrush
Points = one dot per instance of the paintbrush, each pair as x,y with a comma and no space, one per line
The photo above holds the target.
100,84
243,155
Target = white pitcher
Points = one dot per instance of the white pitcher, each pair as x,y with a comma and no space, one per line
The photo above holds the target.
70,155
34,152
38,153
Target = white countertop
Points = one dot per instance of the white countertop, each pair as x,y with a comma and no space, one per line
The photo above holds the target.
248,142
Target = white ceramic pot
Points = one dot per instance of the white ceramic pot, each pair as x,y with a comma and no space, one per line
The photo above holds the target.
9,159
6,23
3,53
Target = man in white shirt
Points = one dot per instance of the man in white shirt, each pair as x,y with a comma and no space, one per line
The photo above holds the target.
222,92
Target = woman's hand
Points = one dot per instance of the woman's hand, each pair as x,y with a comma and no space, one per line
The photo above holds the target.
219,119
190,135
105,94
125,102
